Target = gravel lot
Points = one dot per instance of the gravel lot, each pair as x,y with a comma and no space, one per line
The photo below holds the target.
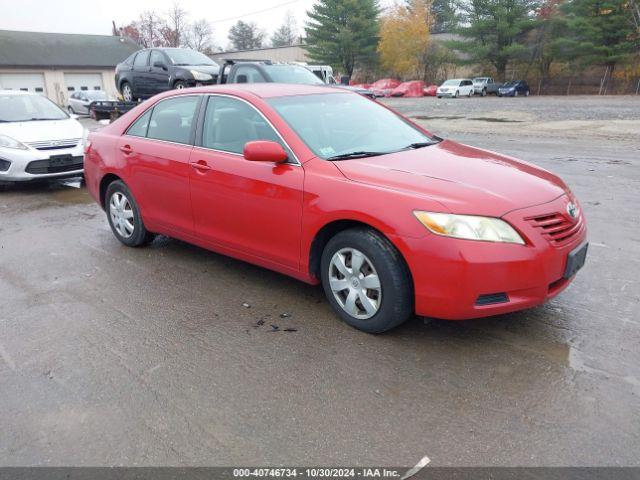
118,356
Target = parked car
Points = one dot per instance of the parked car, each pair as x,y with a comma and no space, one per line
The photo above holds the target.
329,187
455,88
79,102
431,90
484,86
151,71
37,139
259,71
514,88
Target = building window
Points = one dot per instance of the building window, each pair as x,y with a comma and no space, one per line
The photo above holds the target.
71,89
96,88
84,89
39,89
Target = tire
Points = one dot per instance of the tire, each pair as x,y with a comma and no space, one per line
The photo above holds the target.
470,93
179,85
70,110
455,95
127,92
388,305
439,96
484,92
133,233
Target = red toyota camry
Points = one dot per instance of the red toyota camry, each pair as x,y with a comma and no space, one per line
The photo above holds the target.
330,187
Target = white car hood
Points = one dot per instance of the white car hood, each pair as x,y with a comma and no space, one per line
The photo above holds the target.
42,130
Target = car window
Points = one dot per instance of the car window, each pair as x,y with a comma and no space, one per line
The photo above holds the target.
229,124
171,119
248,74
156,56
141,59
139,127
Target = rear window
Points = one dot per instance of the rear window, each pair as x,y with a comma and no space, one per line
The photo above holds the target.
171,119
141,59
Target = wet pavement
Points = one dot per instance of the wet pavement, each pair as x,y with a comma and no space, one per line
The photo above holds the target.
173,355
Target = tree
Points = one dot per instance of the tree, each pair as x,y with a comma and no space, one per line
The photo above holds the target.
147,31
245,36
199,36
175,26
287,33
601,32
343,33
443,13
495,31
404,38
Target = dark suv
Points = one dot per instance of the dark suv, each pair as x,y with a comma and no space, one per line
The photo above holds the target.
155,70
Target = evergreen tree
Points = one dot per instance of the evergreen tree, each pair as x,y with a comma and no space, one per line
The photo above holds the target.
343,33
245,36
444,16
287,33
495,31
601,32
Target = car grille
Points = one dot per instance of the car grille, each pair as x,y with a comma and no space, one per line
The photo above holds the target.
41,167
557,228
54,144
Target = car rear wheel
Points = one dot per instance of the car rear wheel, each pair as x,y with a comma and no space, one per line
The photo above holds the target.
127,92
124,216
70,110
484,92
366,280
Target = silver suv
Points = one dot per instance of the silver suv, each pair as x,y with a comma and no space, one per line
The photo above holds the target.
485,85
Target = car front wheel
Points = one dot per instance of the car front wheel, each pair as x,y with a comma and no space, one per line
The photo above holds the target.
124,216
366,280
127,92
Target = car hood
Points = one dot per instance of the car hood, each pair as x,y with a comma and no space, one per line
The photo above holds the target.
42,130
210,69
464,179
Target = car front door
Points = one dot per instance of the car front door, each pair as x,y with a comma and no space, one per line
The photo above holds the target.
141,73
156,149
158,76
251,207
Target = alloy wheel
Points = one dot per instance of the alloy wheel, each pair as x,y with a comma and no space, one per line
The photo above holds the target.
121,214
355,283
126,92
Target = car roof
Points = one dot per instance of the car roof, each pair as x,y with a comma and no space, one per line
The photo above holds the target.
265,90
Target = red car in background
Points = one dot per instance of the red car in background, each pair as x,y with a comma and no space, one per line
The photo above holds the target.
330,187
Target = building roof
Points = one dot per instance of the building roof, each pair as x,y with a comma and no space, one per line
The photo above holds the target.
37,49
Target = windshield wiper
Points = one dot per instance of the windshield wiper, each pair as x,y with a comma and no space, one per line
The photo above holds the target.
419,145
35,119
358,154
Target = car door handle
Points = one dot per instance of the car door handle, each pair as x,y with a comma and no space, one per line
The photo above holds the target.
126,149
200,165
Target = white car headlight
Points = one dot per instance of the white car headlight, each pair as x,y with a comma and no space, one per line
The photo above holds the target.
9,142
200,75
469,227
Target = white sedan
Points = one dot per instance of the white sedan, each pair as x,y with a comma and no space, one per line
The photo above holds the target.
455,87
38,139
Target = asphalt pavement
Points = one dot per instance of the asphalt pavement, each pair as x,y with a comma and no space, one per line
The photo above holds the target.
173,355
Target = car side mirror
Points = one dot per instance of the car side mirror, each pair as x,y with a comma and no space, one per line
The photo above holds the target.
161,65
264,151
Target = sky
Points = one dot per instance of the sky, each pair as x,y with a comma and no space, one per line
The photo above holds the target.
95,16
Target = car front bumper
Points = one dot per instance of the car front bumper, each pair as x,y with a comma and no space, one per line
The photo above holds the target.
33,164
462,279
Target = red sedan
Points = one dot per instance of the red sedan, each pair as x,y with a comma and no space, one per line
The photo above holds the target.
330,187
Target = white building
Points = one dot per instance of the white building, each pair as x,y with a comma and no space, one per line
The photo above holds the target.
56,64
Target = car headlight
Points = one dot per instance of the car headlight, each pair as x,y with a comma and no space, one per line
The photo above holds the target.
9,142
469,227
200,75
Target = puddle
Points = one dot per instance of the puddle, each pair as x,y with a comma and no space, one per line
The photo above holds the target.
496,120
72,196
459,117
436,117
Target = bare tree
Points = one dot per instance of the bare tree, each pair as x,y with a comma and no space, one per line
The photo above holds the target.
149,28
174,31
199,36
287,33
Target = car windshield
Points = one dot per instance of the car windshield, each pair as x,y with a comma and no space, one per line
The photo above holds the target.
24,108
339,124
96,95
480,80
510,84
292,74
184,56
450,83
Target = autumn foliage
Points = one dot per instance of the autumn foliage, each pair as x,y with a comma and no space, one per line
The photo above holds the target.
404,38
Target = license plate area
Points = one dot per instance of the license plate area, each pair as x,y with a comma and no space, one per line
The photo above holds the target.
576,260
60,160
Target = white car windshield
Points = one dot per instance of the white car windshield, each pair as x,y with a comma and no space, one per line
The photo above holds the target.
292,74
336,124
451,83
26,108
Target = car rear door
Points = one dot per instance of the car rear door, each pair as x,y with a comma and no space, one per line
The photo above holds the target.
251,207
156,149
140,74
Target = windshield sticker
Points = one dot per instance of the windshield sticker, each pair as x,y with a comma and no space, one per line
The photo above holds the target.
327,151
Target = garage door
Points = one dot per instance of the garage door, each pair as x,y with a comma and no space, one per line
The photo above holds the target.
77,82
28,82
